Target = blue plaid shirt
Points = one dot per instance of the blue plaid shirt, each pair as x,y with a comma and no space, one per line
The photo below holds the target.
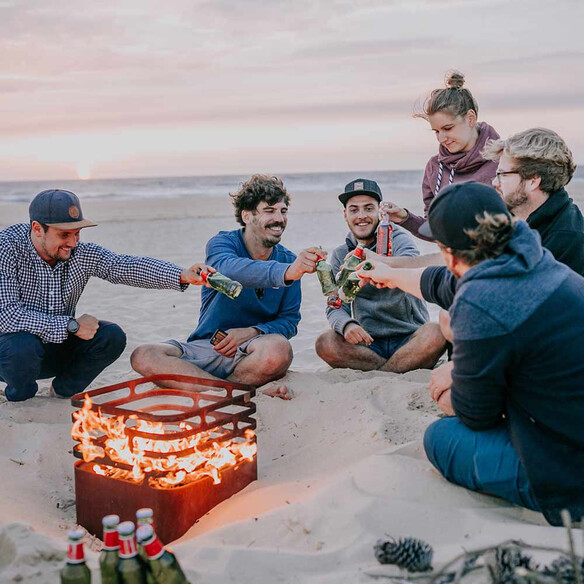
40,299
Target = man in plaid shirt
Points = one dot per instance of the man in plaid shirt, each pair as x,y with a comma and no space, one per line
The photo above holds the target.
43,271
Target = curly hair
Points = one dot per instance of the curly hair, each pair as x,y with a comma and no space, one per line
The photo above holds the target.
490,238
258,188
539,153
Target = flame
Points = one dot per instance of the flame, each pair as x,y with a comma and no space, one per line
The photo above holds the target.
177,468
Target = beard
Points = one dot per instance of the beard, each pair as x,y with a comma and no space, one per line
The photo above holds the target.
270,239
516,198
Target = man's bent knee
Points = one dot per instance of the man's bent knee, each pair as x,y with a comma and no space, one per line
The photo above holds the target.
277,357
111,339
325,347
144,358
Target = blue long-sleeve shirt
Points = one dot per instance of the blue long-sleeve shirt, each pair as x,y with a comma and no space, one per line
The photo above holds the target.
265,302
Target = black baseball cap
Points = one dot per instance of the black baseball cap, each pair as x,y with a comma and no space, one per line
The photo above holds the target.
58,208
456,209
361,186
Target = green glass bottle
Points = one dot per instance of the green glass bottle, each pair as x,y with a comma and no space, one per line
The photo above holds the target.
326,276
350,264
109,557
75,570
221,283
164,565
145,516
130,565
351,288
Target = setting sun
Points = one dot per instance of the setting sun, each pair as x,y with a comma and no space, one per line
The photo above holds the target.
83,170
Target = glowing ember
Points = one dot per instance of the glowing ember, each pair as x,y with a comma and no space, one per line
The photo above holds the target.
179,461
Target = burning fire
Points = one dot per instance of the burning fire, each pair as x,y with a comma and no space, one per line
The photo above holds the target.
204,457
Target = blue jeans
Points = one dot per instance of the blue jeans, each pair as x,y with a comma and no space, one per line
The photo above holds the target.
481,461
385,347
75,363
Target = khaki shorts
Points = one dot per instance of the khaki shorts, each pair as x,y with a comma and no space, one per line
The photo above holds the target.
202,354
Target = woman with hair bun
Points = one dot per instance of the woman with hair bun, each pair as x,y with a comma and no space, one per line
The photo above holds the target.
452,112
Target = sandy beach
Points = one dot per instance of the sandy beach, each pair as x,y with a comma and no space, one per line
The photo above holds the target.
340,466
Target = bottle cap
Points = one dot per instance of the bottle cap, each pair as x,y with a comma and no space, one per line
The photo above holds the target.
144,513
110,520
144,532
75,534
126,528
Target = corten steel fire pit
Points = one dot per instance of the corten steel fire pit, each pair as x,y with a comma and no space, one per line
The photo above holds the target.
177,451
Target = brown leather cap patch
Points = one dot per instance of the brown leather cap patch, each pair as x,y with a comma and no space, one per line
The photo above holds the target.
73,212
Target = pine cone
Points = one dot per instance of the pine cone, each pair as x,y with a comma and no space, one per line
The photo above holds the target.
562,571
409,553
507,559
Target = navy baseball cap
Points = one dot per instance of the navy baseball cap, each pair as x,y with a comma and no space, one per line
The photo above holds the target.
58,208
455,210
361,186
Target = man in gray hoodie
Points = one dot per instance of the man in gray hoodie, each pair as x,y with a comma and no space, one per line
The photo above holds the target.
380,329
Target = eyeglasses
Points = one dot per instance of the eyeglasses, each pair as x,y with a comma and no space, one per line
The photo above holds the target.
501,173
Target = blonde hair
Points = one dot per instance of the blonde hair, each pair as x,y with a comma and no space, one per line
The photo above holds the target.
538,152
454,99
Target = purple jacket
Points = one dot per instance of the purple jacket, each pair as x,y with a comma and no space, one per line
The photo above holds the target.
456,168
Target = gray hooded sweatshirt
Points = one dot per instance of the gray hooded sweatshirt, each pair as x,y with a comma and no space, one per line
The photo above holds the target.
381,312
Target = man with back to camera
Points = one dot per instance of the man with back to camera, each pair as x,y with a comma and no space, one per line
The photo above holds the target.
517,321
381,329
43,271
258,323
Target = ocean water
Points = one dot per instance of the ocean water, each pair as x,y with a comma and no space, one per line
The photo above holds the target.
144,188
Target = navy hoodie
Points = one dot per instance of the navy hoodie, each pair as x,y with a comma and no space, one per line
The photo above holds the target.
518,326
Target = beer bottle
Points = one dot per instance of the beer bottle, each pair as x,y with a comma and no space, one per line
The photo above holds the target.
109,557
384,231
164,565
75,570
130,566
350,264
333,301
351,288
145,516
326,276
221,283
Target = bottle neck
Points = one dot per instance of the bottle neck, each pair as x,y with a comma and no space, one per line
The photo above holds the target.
128,547
153,547
75,554
111,540
358,253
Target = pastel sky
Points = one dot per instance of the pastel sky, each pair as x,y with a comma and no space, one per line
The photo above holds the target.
121,88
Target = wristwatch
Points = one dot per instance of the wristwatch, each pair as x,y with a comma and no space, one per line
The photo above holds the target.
72,326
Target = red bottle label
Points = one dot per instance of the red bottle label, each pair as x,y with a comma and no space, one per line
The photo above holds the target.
75,553
358,252
111,540
154,548
128,547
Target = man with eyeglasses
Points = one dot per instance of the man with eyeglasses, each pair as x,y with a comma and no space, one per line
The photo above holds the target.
244,339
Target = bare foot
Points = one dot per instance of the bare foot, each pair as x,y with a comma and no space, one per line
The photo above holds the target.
280,391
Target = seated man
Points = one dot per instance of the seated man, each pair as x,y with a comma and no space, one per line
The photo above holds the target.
380,329
43,271
263,317
517,323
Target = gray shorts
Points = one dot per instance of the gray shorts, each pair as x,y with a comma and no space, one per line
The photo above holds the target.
202,354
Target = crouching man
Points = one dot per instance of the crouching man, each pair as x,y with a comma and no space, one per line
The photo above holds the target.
44,268
258,323
517,322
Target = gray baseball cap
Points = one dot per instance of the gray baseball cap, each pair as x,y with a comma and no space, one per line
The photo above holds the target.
58,208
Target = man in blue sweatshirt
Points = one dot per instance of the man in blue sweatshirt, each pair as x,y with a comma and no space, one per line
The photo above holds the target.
258,323
517,321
